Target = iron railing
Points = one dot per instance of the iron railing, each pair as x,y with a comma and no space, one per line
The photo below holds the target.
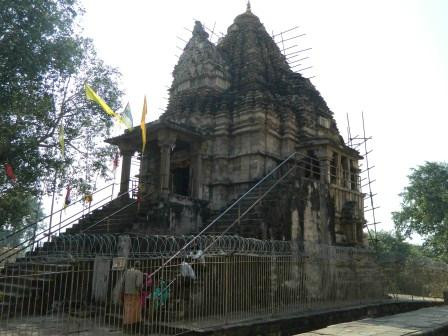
240,283
20,231
88,246
235,279
48,233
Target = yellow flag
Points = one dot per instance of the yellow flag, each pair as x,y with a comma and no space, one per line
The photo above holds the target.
143,125
61,137
90,94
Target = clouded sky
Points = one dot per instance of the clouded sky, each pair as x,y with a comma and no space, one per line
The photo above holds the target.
387,58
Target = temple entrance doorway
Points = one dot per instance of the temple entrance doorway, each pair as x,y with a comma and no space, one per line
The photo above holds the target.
181,180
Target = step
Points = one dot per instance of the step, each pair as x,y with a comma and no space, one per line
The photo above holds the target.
35,280
234,216
107,229
39,267
236,221
5,306
11,294
17,287
242,214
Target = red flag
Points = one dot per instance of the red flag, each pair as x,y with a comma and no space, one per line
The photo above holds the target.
115,162
67,200
139,197
10,172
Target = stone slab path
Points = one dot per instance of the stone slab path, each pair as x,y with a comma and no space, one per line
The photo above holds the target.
425,321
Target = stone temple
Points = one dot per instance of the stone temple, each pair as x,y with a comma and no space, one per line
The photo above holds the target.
247,158
236,111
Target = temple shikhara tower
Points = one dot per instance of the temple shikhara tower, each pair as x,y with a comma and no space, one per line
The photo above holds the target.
236,112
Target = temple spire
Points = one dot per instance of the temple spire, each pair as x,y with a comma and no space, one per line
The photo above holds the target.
248,9
199,31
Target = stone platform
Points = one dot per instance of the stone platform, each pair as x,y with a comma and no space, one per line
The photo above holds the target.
307,321
420,319
425,321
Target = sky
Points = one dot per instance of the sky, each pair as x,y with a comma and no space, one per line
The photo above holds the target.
385,58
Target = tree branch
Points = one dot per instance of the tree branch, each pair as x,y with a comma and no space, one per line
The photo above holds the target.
83,153
52,130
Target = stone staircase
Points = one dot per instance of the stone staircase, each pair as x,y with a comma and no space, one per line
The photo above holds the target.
33,283
245,217
112,218
115,217
28,287
28,284
248,225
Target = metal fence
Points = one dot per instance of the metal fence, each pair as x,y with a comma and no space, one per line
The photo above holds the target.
413,275
239,280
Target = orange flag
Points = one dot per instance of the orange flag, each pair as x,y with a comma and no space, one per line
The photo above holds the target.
143,125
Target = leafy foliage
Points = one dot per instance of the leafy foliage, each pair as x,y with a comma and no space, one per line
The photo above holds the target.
389,244
27,211
424,208
407,268
43,66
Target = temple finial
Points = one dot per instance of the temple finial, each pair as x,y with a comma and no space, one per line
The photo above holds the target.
248,7
199,31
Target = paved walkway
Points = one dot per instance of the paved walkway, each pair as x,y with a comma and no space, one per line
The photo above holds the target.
425,321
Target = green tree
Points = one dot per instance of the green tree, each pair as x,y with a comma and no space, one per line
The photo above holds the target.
44,63
22,221
388,244
424,208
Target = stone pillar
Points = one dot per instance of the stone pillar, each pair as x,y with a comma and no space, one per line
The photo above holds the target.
125,170
296,233
166,141
340,173
356,175
324,156
143,174
349,173
165,159
197,171
288,142
324,163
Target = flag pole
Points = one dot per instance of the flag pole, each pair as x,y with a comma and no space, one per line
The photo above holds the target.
35,225
113,185
52,204
60,221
